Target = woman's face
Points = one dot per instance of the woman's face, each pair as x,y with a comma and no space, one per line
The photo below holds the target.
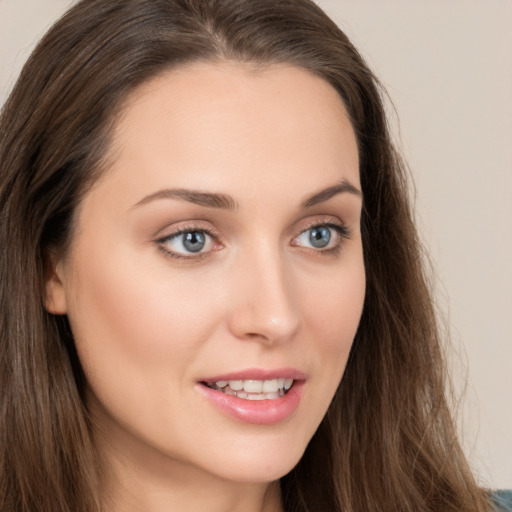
217,262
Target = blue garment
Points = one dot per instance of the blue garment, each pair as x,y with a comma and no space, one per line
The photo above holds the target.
502,501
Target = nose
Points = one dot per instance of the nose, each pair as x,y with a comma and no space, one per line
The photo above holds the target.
265,307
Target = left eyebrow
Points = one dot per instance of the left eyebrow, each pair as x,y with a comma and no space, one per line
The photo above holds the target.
326,194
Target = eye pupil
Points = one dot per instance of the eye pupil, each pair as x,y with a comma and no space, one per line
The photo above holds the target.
320,237
194,241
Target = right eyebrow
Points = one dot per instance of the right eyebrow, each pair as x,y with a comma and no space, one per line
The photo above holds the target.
211,200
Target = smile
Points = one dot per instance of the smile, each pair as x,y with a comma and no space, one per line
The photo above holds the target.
253,389
255,395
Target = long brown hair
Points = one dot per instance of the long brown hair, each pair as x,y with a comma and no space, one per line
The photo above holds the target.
387,441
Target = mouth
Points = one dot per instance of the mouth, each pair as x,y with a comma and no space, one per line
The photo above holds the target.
255,395
251,389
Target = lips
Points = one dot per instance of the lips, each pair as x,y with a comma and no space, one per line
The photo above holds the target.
255,395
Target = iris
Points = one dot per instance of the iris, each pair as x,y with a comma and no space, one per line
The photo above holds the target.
320,237
194,241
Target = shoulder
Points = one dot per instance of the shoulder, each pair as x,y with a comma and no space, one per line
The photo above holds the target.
502,501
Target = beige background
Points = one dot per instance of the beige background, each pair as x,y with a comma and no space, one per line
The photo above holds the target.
447,65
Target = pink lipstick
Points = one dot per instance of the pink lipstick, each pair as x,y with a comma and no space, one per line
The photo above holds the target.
255,395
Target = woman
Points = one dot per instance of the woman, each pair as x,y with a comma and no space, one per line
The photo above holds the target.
204,228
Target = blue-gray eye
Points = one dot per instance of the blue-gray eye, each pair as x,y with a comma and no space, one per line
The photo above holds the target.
323,237
187,243
194,241
320,237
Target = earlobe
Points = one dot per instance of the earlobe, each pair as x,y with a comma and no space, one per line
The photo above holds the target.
55,293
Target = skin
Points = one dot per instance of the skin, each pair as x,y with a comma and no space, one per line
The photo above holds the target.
148,326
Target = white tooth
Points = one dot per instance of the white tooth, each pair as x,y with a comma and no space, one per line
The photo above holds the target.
229,391
270,386
272,396
241,394
253,386
221,383
280,383
255,396
288,383
237,385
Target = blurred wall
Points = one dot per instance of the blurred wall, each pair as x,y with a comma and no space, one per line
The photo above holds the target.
447,65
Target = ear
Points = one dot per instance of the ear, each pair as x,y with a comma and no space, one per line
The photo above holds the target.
55,292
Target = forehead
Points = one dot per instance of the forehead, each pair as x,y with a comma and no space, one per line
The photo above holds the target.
214,125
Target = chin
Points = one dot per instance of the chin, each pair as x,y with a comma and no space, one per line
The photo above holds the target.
257,465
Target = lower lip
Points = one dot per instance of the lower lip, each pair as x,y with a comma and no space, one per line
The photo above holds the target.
259,412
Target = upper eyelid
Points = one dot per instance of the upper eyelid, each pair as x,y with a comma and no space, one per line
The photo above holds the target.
328,220
186,227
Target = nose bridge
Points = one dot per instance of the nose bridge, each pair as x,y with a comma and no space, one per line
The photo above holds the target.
265,305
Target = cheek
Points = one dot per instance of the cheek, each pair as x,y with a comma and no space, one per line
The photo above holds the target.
332,314
139,336
137,323
335,308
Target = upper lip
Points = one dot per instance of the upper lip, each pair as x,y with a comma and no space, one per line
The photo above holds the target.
259,374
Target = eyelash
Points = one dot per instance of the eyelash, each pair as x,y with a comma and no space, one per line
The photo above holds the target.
182,231
341,231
